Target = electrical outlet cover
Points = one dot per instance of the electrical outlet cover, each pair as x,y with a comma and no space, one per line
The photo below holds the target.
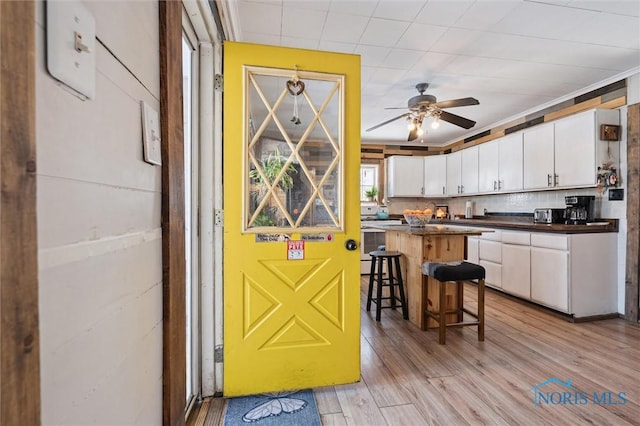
151,134
616,194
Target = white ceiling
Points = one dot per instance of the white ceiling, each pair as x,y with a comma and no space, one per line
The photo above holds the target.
511,55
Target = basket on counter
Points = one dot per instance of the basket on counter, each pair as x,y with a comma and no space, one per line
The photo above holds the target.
417,219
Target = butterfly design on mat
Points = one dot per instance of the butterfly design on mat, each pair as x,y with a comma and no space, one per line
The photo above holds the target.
278,403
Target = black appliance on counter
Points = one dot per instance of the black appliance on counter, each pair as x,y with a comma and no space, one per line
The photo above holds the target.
579,210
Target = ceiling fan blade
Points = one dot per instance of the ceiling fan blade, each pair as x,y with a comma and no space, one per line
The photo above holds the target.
388,121
457,120
396,107
457,103
413,135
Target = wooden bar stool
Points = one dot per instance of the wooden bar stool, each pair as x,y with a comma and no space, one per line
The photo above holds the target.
455,273
393,280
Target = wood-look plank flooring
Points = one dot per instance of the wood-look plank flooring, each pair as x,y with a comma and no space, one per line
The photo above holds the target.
409,379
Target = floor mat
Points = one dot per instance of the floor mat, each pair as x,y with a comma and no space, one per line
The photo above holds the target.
294,408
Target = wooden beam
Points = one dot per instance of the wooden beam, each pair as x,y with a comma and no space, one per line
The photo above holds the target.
370,155
583,106
19,337
614,103
564,111
632,272
173,215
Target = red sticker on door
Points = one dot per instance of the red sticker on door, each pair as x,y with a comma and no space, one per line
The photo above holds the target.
295,249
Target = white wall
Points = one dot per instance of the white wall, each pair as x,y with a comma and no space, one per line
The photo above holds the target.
99,235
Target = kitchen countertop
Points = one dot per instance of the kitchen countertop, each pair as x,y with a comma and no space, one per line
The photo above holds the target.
610,225
518,224
431,229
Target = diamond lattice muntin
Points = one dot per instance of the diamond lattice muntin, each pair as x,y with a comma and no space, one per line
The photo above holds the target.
293,150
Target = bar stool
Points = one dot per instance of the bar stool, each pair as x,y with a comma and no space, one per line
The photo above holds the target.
392,280
457,273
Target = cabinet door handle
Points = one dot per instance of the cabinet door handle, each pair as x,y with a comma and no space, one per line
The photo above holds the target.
499,185
462,189
556,181
549,179
443,190
458,189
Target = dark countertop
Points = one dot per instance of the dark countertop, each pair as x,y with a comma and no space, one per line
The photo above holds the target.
431,229
517,224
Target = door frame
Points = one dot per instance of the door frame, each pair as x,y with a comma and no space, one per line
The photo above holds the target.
632,279
173,215
20,401
192,243
210,35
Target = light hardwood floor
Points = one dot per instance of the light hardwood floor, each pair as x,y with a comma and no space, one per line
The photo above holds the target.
408,379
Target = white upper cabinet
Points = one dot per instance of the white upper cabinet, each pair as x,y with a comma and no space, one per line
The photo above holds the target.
575,149
488,166
462,172
500,164
469,177
564,154
538,157
454,173
510,160
405,176
435,175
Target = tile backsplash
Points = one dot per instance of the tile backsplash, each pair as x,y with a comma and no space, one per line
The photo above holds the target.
523,202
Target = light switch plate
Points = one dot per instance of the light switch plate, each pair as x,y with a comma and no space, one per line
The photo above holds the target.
151,134
71,50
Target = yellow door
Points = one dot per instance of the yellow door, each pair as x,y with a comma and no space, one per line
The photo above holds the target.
291,207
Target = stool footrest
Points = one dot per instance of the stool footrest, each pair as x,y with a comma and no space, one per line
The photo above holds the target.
454,324
463,323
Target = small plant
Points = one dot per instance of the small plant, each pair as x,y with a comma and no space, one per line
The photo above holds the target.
371,193
271,166
263,220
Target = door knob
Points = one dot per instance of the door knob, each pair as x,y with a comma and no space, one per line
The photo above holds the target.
351,245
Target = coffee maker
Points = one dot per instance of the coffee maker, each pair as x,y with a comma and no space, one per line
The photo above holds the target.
579,209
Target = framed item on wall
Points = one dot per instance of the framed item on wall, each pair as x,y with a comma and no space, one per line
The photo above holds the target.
609,132
150,134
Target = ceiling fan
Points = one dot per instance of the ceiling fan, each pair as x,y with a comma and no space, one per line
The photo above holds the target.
422,106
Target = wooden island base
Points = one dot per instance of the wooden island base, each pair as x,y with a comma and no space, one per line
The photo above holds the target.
428,244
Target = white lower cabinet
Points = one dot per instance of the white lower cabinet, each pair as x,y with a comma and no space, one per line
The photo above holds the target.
575,274
550,277
593,274
490,257
493,273
516,263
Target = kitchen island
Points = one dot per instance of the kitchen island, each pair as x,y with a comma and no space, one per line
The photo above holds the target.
431,243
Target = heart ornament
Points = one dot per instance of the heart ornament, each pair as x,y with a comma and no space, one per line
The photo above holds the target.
295,87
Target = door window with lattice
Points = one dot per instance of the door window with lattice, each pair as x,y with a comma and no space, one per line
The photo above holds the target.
293,145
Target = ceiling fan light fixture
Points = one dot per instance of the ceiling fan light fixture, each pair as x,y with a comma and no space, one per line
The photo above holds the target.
425,105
